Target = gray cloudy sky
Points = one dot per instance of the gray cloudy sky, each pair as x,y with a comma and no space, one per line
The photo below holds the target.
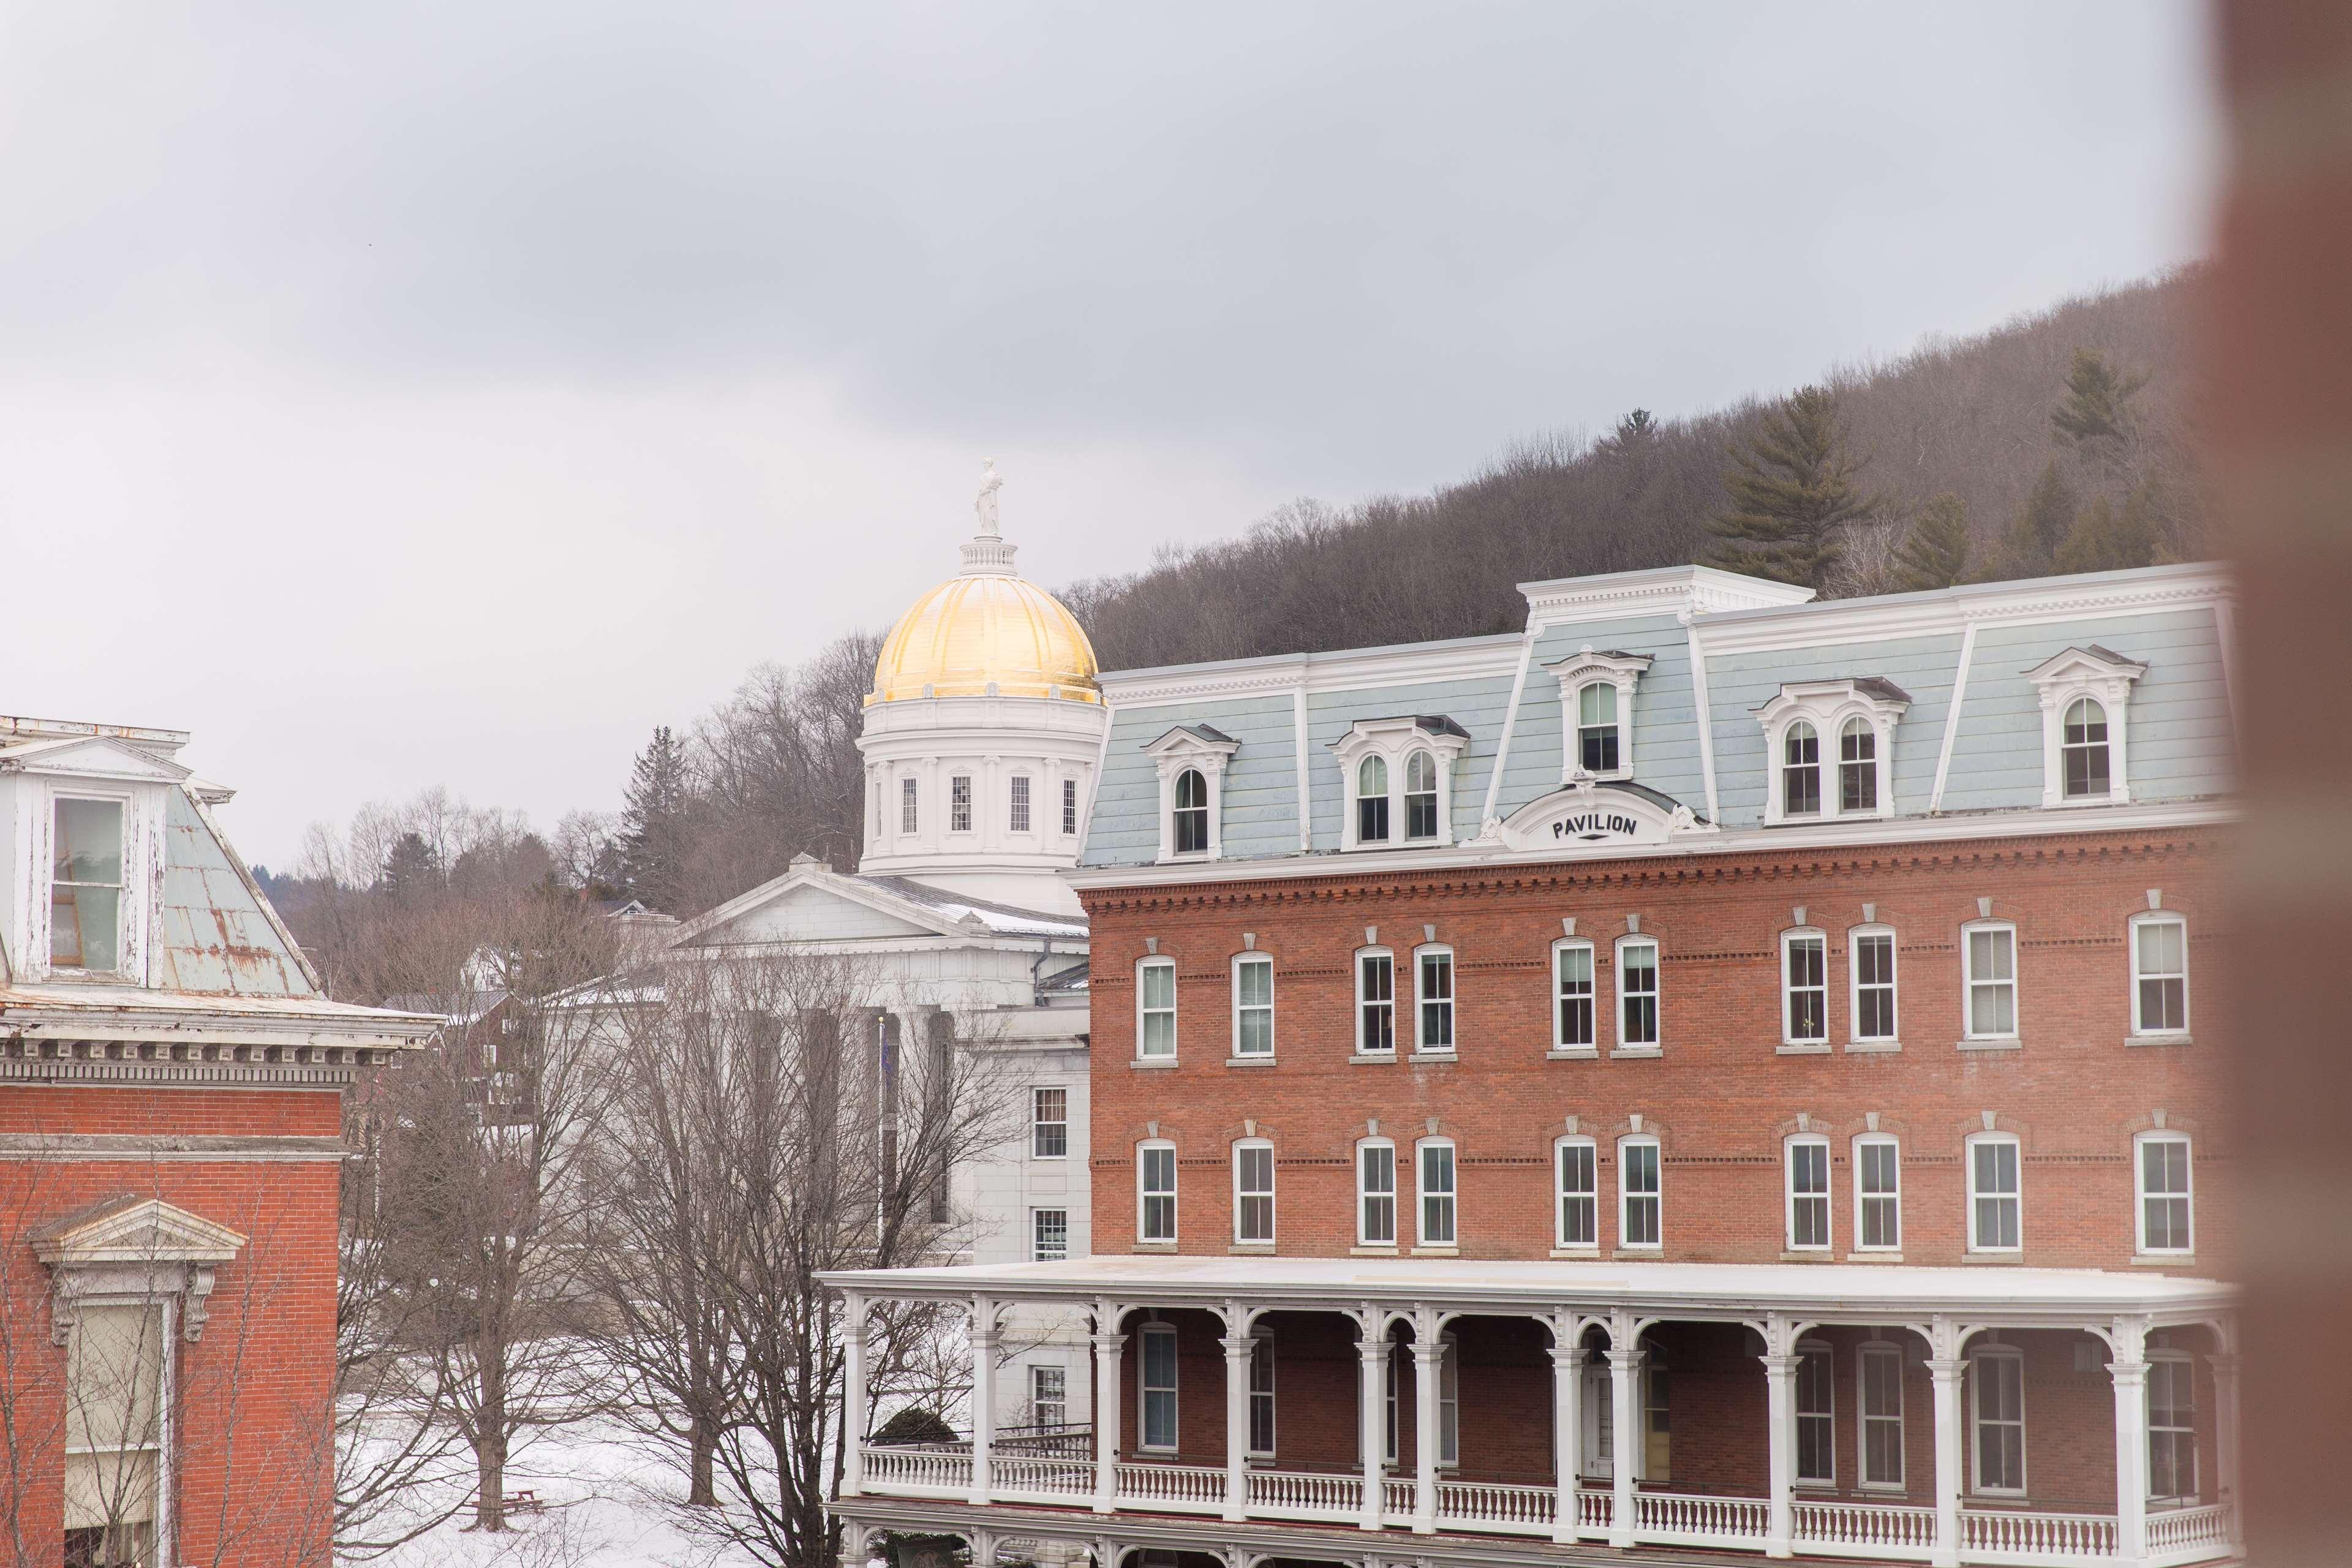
408,394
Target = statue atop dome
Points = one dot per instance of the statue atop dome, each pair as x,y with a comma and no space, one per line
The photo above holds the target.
991,481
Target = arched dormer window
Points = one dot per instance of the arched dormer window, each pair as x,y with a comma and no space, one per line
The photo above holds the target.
1191,828
1372,801
1830,744
1192,762
2085,695
1596,700
1419,796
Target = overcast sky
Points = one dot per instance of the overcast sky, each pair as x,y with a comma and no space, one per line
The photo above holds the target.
401,393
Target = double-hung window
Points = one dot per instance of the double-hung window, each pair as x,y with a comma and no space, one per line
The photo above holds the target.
2172,1427
1049,1234
1254,1192
1997,1388
1376,1193
1572,964
1991,959
1155,1192
1157,1366
1155,995
1871,956
1375,1003
959,802
1805,988
1801,771
2164,1199
1189,832
1433,967
1809,1195
1049,1123
1069,807
1816,1415
1881,1380
1449,1403
86,886
1372,801
116,1380
1994,1201
2159,950
1254,1005
1877,1195
1596,728
1637,993
1639,1196
1435,1180
910,813
1049,1397
1857,766
1261,1395
2083,750
1576,1161
1420,795
1017,800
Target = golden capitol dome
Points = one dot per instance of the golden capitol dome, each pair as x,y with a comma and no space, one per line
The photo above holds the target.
986,632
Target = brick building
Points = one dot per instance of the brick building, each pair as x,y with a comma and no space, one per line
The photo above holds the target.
1709,1071
170,1133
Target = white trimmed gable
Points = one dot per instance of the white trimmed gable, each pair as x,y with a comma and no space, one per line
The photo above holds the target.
2106,678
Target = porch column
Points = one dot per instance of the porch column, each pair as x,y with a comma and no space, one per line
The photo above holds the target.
2129,1370
853,1394
1947,1374
1625,1427
2225,1443
1110,1348
1781,1417
1428,1354
1238,1371
1567,1431
1371,1410
984,1393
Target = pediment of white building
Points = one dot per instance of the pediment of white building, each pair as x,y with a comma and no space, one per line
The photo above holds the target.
1598,816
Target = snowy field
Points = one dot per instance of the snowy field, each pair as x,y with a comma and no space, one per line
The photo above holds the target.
603,1496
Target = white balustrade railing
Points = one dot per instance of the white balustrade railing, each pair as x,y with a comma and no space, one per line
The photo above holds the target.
1397,1498
1594,1509
1193,1488
2005,1535
930,1468
1864,1529
1689,1519
1021,1478
1494,1505
2188,1535
1302,1494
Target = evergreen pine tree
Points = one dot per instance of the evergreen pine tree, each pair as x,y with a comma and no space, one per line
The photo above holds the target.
2108,538
411,870
2041,526
654,822
1935,552
2096,420
1793,490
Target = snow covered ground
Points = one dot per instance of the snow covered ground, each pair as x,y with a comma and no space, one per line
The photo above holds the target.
601,1494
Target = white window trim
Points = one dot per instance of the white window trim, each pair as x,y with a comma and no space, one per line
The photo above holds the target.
1038,1213
1855,1038
2016,982
1626,1194
2140,1195
1143,1391
139,910
1976,1447
1034,1401
1788,1193
1789,941
1559,1196
1826,705
2107,681
1828,1353
1174,1183
970,804
1036,1122
1860,1198
1392,741
911,798
2131,941
1421,1239
1174,754
2196,1446
1175,1002
1263,1335
1241,959
1452,999
1449,1393
1559,1045
1021,793
1588,667
1968,1183
1363,1048
1395,1194
1617,1023
1068,809
1863,1417
1273,1217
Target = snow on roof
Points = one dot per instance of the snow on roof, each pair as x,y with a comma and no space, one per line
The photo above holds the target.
997,916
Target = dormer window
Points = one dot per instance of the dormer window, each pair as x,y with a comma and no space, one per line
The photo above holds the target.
1831,743
1399,774
1372,801
86,886
2085,706
1596,696
1192,762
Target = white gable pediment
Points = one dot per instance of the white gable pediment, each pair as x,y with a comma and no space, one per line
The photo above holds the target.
1597,817
135,1230
812,914
90,757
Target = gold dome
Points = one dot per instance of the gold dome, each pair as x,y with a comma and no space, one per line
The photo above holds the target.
986,628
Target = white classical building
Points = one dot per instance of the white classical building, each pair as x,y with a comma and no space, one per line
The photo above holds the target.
983,731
